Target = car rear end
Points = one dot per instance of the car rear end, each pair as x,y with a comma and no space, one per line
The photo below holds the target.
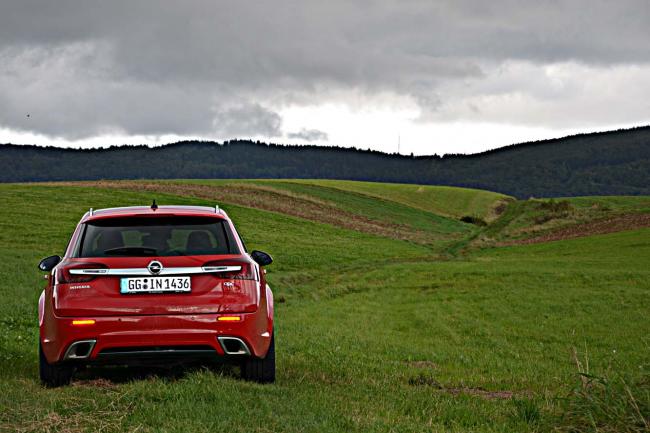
156,285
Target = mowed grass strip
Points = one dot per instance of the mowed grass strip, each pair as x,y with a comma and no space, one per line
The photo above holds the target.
448,201
374,334
373,208
338,208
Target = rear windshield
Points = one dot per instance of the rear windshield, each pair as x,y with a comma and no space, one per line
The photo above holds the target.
160,236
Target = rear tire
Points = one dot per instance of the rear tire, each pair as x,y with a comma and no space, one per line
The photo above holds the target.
261,370
53,375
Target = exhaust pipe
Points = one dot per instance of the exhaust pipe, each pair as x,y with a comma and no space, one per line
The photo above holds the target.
233,346
80,350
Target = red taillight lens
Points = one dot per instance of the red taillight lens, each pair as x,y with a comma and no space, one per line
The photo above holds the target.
220,269
64,276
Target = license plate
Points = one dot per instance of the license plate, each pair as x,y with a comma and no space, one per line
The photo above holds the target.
155,285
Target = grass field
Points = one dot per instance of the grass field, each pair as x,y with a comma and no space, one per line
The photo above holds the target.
440,200
391,314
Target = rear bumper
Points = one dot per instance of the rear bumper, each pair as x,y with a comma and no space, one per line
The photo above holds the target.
121,338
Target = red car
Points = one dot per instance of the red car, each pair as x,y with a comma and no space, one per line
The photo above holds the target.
157,285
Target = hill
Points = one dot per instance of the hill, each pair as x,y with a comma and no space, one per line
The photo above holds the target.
609,163
469,328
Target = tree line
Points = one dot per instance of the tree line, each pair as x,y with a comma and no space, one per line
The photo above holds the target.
608,163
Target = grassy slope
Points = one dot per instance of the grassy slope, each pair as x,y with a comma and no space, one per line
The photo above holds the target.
371,329
446,201
392,211
358,212
527,218
442,200
435,225
614,204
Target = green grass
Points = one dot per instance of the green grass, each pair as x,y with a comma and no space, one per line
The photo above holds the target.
527,218
374,334
441,200
613,203
361,204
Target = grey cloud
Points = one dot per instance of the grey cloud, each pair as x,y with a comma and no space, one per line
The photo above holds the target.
223,67
247,121
70,92
310,135
231,38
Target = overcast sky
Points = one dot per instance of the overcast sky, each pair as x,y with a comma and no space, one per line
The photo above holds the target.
444,76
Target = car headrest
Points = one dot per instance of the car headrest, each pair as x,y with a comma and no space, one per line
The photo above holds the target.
198,241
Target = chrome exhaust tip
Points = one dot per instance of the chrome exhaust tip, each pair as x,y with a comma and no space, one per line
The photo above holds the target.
80,350
233,346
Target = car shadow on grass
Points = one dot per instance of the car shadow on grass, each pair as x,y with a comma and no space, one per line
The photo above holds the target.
107,376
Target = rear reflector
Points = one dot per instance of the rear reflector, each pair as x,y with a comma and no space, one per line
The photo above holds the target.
83,322
228,318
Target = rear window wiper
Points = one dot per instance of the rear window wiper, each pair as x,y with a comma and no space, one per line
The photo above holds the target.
121,251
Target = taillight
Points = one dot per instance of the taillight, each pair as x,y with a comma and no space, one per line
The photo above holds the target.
64,276
231,269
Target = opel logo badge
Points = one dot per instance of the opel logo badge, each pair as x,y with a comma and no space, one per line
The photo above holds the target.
155,267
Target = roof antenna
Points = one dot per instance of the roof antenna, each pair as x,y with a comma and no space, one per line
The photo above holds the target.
154,206
216,209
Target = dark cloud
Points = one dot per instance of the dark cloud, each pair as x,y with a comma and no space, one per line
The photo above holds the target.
246,121
310,135
227,68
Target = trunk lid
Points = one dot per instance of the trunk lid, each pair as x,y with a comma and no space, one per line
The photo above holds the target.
99,295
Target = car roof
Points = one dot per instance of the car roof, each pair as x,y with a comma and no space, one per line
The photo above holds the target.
143,211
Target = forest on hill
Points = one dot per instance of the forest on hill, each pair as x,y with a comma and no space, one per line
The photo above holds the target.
606,163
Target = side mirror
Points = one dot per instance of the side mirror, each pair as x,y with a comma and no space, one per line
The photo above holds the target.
48,263
261,258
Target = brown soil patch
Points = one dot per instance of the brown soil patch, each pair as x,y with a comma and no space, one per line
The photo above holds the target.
96,383
423,364
599,227
423,380
497,209
479,392
271,199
